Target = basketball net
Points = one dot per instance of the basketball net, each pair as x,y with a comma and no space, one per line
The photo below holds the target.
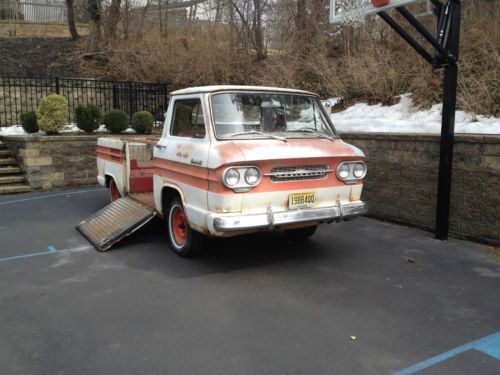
352,11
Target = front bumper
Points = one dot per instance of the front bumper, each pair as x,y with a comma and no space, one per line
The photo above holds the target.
270,220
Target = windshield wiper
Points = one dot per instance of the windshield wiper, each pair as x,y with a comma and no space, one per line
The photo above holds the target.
259,133
310,130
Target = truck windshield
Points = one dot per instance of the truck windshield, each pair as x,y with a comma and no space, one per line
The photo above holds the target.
269,115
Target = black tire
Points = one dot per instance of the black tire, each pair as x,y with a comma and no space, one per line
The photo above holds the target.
300,234
184,241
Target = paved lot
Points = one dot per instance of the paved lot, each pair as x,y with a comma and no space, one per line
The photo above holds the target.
252,305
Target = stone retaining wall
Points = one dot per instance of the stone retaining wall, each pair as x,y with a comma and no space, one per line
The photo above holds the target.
56,162
401,184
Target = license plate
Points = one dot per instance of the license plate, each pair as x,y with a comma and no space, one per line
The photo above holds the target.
297,200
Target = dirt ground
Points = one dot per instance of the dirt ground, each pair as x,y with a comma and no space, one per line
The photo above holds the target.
39,57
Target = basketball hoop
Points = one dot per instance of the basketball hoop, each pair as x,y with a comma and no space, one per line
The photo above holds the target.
446,46
353,12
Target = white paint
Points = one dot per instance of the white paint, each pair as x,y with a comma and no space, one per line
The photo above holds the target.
217,88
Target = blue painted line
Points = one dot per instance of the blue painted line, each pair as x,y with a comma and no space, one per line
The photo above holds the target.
51,250
26,256
51,195
489,345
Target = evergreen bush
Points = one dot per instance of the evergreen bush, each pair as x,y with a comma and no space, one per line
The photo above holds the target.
52,113
87,117
115,121
29,122
142,122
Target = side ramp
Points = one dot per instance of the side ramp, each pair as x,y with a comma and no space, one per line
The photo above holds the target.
117,220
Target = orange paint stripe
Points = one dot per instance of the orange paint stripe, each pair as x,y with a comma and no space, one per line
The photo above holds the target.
184,173
211,179
110,154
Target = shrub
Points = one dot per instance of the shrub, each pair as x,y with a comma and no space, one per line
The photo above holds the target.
142,122
52,113
115,121
87,117
29,122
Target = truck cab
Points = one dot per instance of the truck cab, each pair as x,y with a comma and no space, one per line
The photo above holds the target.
234,160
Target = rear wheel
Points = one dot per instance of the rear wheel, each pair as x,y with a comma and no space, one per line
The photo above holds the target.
113,191
300,234
184,241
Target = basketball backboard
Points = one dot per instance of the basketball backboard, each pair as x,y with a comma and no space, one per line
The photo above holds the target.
353,11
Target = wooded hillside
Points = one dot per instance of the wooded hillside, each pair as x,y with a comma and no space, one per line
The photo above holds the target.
286,43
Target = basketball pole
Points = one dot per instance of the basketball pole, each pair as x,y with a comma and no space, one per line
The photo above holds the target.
447,57
448,128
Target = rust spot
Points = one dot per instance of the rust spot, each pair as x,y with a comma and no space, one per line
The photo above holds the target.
184,150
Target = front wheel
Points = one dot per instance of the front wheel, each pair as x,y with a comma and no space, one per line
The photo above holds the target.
184,241
300,234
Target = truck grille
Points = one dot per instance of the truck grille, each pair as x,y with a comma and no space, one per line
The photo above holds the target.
307,172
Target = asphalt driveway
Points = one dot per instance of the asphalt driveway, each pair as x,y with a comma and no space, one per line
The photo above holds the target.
361,297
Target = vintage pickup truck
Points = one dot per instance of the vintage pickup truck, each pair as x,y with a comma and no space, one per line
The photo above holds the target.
231,160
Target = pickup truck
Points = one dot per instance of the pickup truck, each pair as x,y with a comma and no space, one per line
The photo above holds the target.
235,160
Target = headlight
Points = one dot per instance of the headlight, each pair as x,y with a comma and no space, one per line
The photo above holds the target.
359,170
343,171
351,172
252,176
231,177
241,179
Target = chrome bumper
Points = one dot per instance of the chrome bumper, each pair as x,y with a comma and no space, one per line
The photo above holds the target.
229,223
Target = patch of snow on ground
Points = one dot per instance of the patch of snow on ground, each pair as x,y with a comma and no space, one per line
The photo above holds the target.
404,118
70,128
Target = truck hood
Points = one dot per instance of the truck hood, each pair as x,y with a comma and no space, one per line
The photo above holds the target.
231,152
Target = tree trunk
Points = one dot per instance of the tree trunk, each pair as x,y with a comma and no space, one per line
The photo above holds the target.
71,20
257,30
113,18
94,9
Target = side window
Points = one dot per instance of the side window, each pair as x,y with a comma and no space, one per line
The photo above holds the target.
188,120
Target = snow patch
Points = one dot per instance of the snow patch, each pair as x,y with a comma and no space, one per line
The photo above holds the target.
70,128
404,118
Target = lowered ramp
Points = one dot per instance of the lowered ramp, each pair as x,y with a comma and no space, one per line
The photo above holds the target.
117,220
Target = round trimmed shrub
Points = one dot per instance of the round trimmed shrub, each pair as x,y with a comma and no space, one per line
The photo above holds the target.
115,121
87,117
142,122
29,122
52,113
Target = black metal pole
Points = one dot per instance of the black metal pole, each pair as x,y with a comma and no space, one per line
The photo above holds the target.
450,56
407,37
448,128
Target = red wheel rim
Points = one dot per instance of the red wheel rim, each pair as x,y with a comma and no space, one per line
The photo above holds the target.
115,194
179,226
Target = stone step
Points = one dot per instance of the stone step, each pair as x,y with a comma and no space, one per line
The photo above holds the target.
7,161
14,189
5,153
9,170
11,179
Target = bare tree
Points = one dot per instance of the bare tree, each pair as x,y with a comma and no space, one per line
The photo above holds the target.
71,19
94,10
112,19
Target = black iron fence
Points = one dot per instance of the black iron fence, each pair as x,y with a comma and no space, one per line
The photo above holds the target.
18,95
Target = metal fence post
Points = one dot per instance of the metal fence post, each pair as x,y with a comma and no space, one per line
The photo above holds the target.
115,96
131,98
57,85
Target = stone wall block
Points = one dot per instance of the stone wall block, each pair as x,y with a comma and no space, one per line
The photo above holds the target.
492,163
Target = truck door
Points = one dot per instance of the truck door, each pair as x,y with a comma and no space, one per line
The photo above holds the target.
181,155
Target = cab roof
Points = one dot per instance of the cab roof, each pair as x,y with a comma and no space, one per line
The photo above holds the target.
220,88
